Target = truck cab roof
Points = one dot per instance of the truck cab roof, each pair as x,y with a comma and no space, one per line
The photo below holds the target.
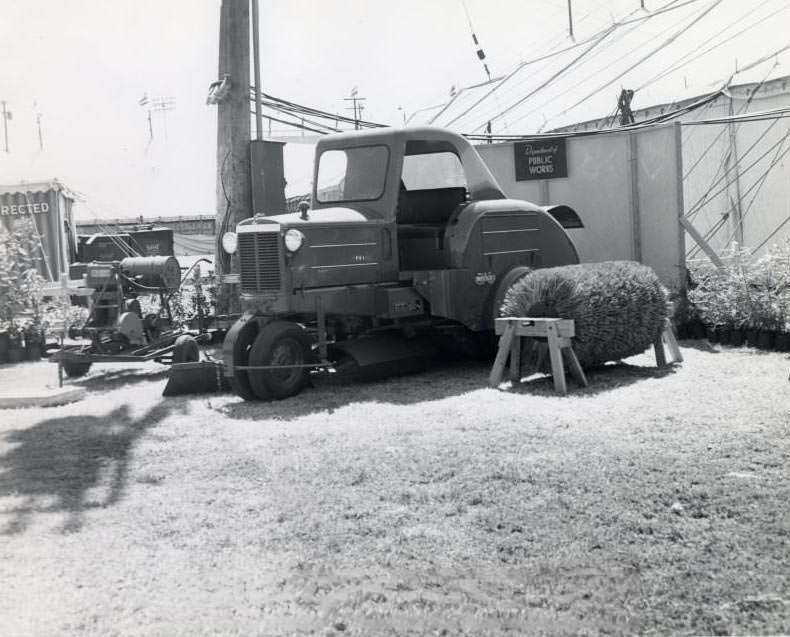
379,154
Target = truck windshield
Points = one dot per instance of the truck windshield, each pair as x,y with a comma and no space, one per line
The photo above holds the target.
352,174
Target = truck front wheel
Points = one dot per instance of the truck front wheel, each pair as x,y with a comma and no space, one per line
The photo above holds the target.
285,348
237,345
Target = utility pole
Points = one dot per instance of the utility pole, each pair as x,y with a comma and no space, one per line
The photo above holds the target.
256,62
6,116
570,20
356,108
40,136
162,105
234,188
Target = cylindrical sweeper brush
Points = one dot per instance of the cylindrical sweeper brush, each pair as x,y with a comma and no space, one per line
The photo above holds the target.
619,308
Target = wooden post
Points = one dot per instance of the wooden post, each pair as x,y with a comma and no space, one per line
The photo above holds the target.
701,242
557,366
515,360
234,191
667,338
636,223
505,342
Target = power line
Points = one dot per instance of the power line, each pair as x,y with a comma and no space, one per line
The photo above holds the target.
307,110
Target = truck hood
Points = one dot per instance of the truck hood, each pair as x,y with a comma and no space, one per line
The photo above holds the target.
321,215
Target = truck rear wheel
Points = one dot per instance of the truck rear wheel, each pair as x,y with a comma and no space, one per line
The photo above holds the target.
186,349
285,347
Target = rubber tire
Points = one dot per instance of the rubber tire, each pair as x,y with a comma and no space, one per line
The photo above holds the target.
75,369
240,381
186,350
268,385
505,283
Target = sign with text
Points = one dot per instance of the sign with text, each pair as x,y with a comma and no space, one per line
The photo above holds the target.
541,159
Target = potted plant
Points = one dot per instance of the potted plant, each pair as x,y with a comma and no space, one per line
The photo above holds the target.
709,297
16,350
4,344
34,341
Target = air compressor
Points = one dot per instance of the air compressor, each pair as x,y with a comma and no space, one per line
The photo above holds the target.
117,330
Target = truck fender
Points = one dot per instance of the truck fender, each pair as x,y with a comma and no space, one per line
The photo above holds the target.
505,283
565,216
238,338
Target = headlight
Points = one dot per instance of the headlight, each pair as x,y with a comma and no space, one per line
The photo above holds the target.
230,242
293,239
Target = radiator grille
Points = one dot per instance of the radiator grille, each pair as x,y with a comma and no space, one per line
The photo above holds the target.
259,261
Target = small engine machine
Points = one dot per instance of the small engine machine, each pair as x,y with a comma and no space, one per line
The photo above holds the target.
116,321
117,328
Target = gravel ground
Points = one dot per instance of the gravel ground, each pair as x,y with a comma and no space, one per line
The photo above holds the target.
653,502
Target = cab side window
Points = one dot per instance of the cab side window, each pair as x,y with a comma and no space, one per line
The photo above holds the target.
433,170
433,184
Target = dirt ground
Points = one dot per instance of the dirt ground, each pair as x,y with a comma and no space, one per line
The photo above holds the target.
653,502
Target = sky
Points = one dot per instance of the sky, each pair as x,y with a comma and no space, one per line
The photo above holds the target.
85,64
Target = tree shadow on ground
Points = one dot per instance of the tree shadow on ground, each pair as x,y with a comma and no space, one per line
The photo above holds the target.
56,464
443,381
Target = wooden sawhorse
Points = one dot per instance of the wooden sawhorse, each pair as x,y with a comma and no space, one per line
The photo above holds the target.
558,334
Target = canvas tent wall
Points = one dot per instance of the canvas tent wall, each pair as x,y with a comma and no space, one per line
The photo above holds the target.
736,184
625,185
49,205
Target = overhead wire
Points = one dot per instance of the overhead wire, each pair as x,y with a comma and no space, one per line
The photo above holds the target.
553,77
658,119
759,183
590,76
618,25
307,110
647,56
701,201
772,234
743,107
678,65
522,65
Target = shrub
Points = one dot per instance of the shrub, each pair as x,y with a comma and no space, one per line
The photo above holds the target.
21,286
748,292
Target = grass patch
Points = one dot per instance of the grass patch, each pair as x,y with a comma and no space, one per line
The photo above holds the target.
649,503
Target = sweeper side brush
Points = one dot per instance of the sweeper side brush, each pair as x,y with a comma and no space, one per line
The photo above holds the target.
619,308
195,377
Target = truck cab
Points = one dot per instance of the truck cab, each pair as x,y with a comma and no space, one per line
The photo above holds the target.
406,227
